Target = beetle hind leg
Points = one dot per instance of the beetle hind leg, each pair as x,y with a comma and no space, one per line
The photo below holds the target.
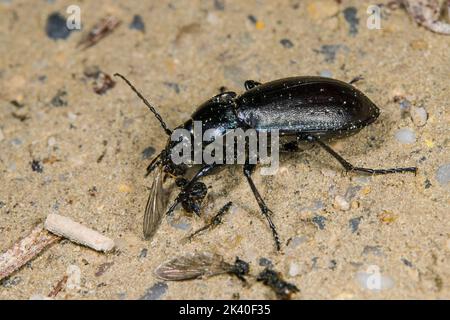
349,167
248,169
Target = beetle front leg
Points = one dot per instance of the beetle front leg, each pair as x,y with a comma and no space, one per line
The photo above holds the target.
248,169
349,167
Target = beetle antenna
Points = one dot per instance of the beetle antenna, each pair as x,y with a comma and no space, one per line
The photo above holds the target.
152,109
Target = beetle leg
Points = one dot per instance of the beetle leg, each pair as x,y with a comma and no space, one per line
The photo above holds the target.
250,84
356,79
349,167
248,169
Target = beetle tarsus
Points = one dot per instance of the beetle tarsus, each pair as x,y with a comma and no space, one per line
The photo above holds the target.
356,79
349,167
248,169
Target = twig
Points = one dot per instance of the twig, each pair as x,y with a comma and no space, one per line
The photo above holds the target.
58,287
67,228
25,250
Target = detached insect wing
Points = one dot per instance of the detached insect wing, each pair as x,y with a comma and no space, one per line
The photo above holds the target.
192,266
156,204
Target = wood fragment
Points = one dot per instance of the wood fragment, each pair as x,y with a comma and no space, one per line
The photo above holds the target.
25,250
67,228
104,27
58,287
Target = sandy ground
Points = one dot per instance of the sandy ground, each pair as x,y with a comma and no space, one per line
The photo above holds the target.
89,162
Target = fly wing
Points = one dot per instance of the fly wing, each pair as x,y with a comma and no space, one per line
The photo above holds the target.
155,207
192,266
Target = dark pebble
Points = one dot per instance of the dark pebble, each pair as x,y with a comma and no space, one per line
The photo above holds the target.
350,15
252,19
173,86
329,51
2,204
137,23
333,264
319,221
143,253
59,100
148,152
11,282
264,262
407,262
286,43
354,223
427,184
36,166
219,5
56,27
155,292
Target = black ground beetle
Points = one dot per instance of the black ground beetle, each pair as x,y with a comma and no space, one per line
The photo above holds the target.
311,109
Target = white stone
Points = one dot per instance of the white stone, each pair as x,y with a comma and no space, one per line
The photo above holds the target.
341,204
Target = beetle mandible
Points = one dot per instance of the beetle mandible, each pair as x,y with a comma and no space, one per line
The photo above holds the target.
312,109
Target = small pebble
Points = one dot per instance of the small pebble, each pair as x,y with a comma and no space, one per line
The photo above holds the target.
326,74
124,188
155,292
264,262
375,250
16,142
137,23
173,85
407,262
330,51
148,152
73,273
72,116
56,27
36,166
350,15
387,217
294,269
143,253
59,100
219,5
443,174
319,221
296,241
405,136
11,282
182,224
341,204
286,43
51,141
419,116
2,136
320,10
354,223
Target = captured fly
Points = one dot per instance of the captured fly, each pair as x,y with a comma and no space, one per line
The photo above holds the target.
215,221
200,265
273,279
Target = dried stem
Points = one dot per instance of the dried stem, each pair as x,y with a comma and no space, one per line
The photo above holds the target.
25,250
